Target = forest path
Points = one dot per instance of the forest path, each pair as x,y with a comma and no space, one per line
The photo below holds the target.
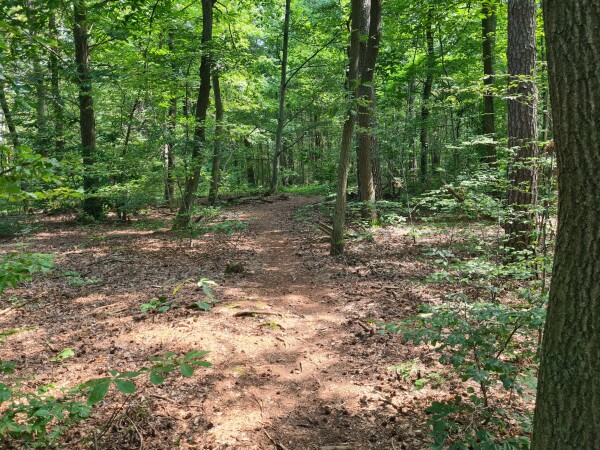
285,369
297,363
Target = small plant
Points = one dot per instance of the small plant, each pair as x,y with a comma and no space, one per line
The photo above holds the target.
409,370
18,267
162,304
159,304
487,345
65,354
98,388
75,279
406,370
210,300
39,419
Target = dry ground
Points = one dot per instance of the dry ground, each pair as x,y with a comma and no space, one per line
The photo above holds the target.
310,374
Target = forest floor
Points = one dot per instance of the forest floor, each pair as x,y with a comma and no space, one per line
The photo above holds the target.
298,362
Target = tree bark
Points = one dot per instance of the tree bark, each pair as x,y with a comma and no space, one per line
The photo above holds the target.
41,139
369,49
488,28
427,88
522,120
8,118
282,92
358,8
199,141
567,413
216,162
58,105
91,204
169,153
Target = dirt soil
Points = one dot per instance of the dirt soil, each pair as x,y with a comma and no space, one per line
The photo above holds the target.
302,366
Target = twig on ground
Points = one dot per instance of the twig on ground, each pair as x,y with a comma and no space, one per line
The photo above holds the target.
260,406
278,445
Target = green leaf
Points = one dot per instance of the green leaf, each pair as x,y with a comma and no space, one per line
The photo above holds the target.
129,374
203,363
195,354
99,391
124,386
186,371
202,305
156,379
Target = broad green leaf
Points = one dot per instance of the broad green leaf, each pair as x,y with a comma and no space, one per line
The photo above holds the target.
186,371
124,386
195,354
156,379
99,391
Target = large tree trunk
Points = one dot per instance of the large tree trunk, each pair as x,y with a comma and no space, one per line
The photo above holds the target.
282,92
522,120
369,50
8,118
216,162
57,101
488,28
567,414
92,204
199,141
427,87
359,11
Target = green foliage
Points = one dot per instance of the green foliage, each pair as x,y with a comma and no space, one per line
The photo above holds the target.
159,304
98,388
487,345
308,189
32,177
40,418
75,279
18,267
131,197
411,370
14,225
64,354
473,195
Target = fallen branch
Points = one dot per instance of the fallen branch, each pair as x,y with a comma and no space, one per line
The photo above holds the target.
278,445
256,313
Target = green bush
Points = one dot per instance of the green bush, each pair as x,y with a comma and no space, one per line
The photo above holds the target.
487,345
40,418
18,267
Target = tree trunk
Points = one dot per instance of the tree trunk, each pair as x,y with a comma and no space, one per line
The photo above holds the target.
522,120
8,118
169,153
58,105
199,141
427,87
369,50
488,28
216,162
359,8
91,204
567,414
376,156
171,126
282,92
41,139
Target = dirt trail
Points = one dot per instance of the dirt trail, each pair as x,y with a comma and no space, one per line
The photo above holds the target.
304,371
